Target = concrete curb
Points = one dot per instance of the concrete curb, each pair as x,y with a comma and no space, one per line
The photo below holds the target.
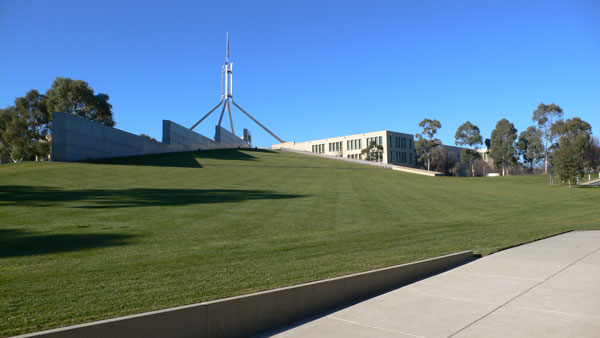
251,314
418,171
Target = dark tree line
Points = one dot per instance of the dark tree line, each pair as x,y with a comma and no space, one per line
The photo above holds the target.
25,127
574,141
565,148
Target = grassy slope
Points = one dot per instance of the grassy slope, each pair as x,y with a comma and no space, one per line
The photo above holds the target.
82,242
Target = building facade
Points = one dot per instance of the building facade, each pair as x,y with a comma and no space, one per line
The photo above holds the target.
397,148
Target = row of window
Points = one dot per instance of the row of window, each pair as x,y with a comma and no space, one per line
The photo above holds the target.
354,156
401,142
378,140
350,145
400,157
354,144
318,148
375,156
335,146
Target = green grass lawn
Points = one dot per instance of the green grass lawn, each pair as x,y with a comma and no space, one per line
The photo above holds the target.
82,242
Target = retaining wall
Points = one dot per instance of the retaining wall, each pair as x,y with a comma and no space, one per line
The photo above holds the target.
224,136
180,138
255,313
77,139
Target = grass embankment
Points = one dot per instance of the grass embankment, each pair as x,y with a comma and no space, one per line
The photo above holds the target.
82,242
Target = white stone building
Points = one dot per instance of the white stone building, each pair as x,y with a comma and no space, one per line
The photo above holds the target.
398,148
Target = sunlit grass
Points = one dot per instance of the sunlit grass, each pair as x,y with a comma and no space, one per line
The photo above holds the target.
89,241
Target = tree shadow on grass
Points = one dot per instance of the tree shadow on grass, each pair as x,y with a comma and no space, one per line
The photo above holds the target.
189,159
125,198
17,243
244,154
184,159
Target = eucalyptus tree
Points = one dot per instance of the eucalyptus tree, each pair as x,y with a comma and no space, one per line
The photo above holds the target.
592,157
503,145
569,156
530,146
426,142
25,127
546,115
32,109
76,97
15,138
468,135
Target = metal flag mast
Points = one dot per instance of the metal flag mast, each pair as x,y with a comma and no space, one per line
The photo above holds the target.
227,96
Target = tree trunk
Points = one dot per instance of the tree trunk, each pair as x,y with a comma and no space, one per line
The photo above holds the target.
531,167
569,182
546,151
14,159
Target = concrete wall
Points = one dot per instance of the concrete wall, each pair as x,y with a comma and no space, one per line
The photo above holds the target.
180,138
224,136
78,139
255,313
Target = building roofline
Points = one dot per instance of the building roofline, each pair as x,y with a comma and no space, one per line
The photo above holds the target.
358,134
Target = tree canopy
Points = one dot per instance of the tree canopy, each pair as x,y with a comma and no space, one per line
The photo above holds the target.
503,144
15,141
76,97
468,135
530,146
569,157
443,160
25,127
546,115
425,143
592,155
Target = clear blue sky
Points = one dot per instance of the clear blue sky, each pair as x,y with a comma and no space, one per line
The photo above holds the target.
312,69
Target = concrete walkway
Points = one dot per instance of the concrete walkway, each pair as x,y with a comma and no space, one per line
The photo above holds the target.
549,288
593,183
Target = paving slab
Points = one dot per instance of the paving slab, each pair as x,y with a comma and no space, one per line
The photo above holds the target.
472,287
548,288
517,322
574,298
415,314
336,328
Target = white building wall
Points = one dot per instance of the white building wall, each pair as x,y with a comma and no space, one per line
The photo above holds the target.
398,148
